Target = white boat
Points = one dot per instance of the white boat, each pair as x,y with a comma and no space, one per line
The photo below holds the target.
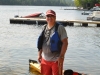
96,8
86,12
95,16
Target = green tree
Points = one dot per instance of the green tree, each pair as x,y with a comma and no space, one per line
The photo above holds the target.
37,2
86,3
77,3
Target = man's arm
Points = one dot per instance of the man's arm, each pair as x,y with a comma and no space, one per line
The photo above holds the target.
40,55
62,54
64,47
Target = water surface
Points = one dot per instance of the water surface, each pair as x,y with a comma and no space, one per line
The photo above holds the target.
18,42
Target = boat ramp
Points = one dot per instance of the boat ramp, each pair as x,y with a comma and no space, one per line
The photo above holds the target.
39,21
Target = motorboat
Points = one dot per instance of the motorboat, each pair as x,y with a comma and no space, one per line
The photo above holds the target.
95,9
86,13
95,16
35,15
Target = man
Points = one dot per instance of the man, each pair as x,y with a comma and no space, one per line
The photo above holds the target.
52,62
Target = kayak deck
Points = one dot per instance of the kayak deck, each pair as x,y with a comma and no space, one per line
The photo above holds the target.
35,66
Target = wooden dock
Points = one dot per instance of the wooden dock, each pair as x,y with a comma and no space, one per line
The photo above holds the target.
39,21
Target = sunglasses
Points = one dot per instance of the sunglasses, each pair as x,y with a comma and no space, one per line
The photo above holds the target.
49,15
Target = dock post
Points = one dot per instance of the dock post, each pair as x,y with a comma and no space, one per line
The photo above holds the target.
85,24
71,24
36,22
98,25
66,23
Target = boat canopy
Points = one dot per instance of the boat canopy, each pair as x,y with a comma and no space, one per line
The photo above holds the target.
97,4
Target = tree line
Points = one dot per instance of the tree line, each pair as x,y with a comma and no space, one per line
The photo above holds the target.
78,3
37,2
86,3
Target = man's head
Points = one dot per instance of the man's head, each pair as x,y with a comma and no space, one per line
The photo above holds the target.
50,12
51,16
68,72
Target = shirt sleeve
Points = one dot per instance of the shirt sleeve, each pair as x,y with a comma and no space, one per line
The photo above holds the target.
62,32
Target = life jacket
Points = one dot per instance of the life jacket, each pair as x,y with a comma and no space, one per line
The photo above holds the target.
40,39
71,72
55,41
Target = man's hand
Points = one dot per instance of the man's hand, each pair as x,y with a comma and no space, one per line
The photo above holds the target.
39,58
40,55
60,65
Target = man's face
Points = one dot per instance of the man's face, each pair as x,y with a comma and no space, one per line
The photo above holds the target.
50,18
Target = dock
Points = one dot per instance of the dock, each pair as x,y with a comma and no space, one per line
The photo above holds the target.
39,21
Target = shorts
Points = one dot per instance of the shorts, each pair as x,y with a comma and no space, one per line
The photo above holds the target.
49,67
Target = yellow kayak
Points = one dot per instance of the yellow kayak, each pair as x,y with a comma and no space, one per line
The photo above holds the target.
35,66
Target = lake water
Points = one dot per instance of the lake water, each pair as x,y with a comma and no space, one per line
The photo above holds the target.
18,42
